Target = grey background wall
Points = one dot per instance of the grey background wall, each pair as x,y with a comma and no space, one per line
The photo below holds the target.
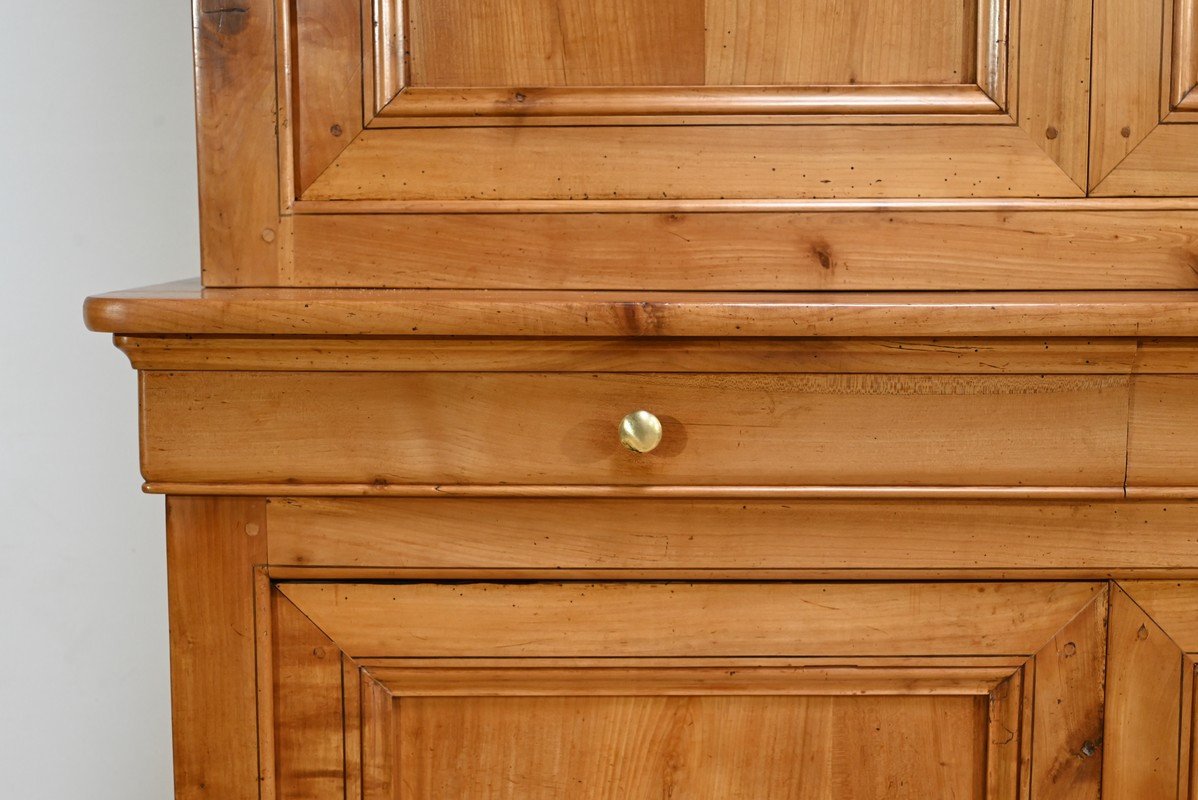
97,192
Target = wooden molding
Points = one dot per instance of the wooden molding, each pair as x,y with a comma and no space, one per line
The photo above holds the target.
185,308
500,102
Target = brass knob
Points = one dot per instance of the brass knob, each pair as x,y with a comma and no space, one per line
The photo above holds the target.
640,431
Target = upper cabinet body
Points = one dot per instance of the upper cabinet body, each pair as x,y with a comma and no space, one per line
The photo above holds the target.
698,144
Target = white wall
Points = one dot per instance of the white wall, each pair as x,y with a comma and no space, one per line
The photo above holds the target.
97,192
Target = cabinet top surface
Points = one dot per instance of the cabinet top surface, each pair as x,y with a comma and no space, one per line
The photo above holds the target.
184,307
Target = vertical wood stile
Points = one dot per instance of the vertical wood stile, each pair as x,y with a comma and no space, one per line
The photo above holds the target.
213,545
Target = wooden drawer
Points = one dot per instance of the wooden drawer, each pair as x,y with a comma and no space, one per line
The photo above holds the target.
375,429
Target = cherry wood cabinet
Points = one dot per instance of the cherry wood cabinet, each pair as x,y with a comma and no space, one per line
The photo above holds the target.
409,566
698,144
629,399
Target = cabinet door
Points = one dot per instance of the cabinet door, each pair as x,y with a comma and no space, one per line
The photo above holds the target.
423,118
637,690
554,101
1145,99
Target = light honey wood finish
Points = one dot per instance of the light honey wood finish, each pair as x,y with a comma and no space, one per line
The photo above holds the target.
1142,131
469,43
1053,76
632,163
1173,605
184,308
846,42
841,250
740,677
236,106
1128,85
327,79
560,429
909,286
558,719
696,103
893,356
213,546
308,721
1144,681
728,747
638,619
847,535
1163,431
1068,745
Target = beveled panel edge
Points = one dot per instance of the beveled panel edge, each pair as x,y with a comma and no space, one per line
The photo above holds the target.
519,104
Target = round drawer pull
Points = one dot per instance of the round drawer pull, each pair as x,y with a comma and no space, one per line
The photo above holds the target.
640,431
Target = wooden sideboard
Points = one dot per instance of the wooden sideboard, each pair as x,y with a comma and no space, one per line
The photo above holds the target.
411,558
691,399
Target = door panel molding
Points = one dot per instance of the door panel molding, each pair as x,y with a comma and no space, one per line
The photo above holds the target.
395,705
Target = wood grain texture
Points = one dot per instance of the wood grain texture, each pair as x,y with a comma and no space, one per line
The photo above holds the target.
184,308
734,429
1184,67
1144,682
728,747
1162,431
1172,605
386,66
895,356
327,81
1165,164
609,677
213,546
729,534
697,104
466,43
1070,673
674,619
629,163
380,779
1127,81
1054,80
236,106
309,710
770,251
775,42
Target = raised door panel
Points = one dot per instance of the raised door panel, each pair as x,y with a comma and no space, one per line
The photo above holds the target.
560,103
649,690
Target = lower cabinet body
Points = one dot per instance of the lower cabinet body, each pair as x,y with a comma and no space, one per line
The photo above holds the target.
474,648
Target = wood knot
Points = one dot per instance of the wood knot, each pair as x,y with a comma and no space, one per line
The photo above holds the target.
336,130
1070,649
1051,133
1142,633
1126,132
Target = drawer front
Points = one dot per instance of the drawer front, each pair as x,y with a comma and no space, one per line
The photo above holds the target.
718,429
638,691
